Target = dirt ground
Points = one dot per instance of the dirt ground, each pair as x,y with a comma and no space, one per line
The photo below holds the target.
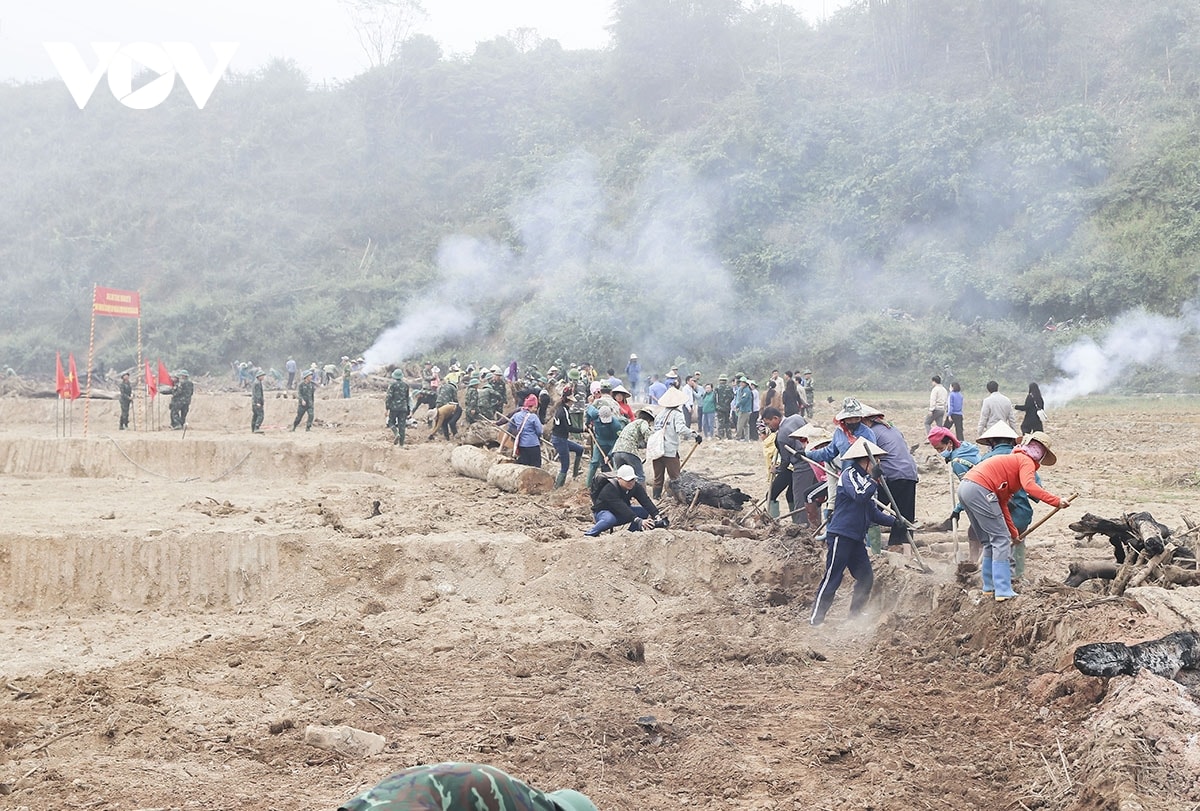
177,609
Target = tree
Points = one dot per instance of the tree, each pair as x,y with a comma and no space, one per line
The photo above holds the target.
382,26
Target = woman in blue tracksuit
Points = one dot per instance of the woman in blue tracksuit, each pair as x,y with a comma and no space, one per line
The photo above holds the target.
853,513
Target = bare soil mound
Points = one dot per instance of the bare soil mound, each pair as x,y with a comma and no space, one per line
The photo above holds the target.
177,608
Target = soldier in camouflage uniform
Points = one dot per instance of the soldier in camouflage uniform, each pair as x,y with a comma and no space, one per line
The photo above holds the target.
257,403
181,399
306,394
472,408
462,787
397,405
491,398
447,409
126,400
725,395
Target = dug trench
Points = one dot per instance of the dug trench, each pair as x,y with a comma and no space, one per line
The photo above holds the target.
171,628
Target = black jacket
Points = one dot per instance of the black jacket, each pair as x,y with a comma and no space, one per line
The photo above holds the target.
616,499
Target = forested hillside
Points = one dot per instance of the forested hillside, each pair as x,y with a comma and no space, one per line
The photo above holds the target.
915,185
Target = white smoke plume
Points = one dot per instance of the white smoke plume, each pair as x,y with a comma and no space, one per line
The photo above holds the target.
640,276
469,269
1135,339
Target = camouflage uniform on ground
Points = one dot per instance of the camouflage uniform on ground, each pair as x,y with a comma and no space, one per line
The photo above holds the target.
397,405
462,787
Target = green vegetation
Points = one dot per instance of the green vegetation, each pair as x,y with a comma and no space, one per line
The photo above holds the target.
913,187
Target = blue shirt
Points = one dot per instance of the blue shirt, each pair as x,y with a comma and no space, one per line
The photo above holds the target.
962,458
854,509
657,389
744,400
527,431
840,444
954,403
899,464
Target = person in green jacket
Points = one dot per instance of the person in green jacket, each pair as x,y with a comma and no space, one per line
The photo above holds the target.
257,402
397,404
725,396
462,787
306,395
126,400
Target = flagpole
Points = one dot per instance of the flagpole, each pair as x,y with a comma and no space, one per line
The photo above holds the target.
87,404
140,414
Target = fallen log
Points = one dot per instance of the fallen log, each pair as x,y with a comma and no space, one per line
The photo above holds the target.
480,434
1082,571
468,460
1164,657
513,478
692,488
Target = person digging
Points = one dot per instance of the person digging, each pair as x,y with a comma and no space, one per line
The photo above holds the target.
985,493
854,511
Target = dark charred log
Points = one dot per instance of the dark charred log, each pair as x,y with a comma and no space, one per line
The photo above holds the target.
1164,657
712,493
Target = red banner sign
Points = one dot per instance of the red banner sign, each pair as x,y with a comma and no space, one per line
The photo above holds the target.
119,303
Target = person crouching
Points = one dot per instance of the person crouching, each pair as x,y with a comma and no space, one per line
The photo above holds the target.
854,511
612,496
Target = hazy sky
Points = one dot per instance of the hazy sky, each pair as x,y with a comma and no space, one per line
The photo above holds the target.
315,33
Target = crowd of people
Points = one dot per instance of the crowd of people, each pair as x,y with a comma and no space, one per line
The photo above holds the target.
844,483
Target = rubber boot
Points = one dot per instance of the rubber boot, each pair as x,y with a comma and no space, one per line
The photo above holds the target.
657,494
561,479
824,520
773,508
1002,578
986,570
578,459
1018,565
875,540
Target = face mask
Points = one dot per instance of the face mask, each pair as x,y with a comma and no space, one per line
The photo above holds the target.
1034,450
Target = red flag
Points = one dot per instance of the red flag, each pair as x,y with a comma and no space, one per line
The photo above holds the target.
151,386
164,377
72,378
60,379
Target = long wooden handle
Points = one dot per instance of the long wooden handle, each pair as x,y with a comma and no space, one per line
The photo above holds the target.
1046,517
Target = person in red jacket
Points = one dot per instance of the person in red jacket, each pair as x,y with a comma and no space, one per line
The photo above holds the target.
985,492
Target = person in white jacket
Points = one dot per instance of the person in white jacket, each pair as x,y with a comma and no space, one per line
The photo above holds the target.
674,428
937,403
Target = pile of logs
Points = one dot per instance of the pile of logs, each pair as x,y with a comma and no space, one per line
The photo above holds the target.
1143,549
501,472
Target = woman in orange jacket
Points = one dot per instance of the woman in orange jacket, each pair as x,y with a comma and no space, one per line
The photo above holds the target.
985,492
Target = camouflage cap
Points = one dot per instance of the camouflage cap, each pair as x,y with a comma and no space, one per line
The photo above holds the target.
569,799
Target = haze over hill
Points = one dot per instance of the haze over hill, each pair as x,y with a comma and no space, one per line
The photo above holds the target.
907,188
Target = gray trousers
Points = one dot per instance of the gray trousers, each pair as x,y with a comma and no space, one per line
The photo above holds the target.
987,518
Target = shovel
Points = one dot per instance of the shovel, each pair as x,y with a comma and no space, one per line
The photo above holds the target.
953,506
912,541
1065,502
